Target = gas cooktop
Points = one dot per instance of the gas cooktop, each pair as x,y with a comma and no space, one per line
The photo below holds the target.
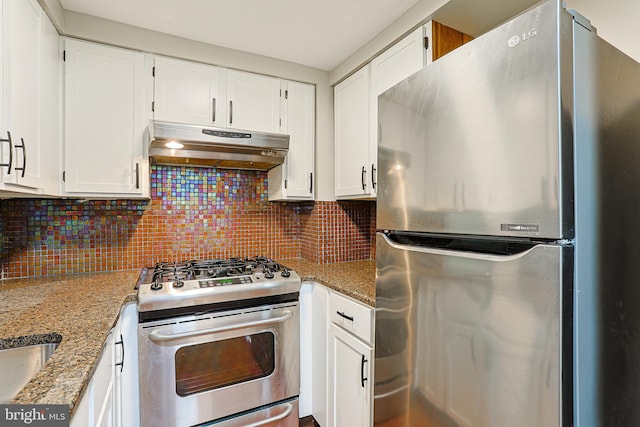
196,285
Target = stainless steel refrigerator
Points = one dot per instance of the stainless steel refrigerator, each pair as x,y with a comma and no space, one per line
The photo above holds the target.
508,244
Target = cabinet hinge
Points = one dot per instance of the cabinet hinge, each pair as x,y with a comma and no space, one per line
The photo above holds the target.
426,42
285,183
64,55
153,72
64,176
153,106
286,94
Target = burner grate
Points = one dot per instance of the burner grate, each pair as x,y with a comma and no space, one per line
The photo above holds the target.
212,268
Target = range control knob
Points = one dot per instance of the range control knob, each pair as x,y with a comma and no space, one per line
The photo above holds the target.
285,273
156,286
268,274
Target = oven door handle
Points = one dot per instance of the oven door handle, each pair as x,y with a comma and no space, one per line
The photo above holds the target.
158,336
278,417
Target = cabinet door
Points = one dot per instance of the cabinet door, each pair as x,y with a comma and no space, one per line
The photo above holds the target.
126,395
104,120
299,122
102,386
352,135
253,102
50,109
22,38
350,376
188,92
394,65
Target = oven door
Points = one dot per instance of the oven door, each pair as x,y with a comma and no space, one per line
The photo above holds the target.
199,368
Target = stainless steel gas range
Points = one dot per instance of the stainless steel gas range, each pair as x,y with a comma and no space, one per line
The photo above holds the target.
219,343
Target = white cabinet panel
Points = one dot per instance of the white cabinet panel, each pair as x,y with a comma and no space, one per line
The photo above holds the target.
50,109
352,107
398,62
30,84
23,40
126,394
350,376
188,92
391,67
351,316
253,102
294,180
104,121
356,104
350,367
112,397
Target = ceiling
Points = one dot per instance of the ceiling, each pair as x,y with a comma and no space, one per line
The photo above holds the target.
319,34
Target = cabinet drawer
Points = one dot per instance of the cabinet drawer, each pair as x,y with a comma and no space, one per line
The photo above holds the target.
351,315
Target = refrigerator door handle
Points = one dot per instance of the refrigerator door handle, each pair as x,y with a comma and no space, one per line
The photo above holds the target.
454,253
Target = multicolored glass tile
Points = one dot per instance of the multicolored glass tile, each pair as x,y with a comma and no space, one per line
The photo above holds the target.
193,213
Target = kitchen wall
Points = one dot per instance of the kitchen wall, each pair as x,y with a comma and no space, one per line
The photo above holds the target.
193,213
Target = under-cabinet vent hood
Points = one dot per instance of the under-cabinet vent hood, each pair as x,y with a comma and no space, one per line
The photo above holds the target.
192,145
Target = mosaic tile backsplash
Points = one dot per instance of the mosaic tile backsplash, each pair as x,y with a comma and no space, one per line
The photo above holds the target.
193,213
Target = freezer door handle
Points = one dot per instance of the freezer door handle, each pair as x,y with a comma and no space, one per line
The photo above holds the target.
458,253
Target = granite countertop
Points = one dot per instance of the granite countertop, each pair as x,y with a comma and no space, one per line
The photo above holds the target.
354,278
78,311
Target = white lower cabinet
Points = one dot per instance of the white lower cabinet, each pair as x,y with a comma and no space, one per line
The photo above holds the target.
350,376
111,398
350,363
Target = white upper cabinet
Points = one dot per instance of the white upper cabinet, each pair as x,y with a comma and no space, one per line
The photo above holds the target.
104,122
404,58
355,109
194,93
352,107
294,180
29,115
189,92
253,102
398,62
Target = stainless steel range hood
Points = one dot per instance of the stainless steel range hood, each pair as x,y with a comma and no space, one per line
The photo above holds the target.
192,145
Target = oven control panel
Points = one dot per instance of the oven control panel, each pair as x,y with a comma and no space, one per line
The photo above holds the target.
224,281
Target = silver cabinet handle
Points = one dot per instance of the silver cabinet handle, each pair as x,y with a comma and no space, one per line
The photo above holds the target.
137,175
230,112
213,110
158,336
278,417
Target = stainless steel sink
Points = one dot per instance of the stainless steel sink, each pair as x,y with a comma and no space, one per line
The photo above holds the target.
18,365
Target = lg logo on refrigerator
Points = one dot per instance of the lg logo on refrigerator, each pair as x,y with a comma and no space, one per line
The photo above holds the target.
515,40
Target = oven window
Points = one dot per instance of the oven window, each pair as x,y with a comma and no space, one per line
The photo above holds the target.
218,364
